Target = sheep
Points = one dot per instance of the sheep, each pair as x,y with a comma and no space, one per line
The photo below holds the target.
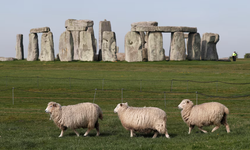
142,119
82,115
212,113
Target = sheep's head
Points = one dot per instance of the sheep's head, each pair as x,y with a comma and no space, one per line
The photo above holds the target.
51,106
120,106
185,103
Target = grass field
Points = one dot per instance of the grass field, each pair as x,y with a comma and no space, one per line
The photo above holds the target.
27,87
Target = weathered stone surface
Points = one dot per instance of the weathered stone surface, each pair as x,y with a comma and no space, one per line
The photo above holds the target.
208,46
145,24
177,50
33,50
86,48
103,26
66,46
120,56
194,46
155,46
40,30
78,25
91,30
186,35
76,43
133,44
144,54
47,47
7,59
163,29
19,47
109,46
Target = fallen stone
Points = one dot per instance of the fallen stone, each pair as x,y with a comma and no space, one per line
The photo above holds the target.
155,47
133,44
47,47
163,29
66,46
145,24
33,49
86,48
7,59
19,47
177,49
208,46
120,56
109,46
103,26
193,46
40,30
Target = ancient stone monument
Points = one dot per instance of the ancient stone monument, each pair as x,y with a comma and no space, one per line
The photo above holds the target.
103,26
155,46
193,46
47,45
83,41
19,47
208,46
133,46
109,48
177,49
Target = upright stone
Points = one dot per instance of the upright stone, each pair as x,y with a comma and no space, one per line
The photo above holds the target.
133,44
103,26
76,43
33,50
66,46
47,47
208,46
19,47
109,46
155,47
86,48
177,50
193,46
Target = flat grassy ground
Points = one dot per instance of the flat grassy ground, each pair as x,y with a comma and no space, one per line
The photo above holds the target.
27,87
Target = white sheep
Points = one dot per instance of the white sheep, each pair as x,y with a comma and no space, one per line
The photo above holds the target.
212,113
83,115
142,119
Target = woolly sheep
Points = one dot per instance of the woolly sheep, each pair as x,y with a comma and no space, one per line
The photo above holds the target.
212,113
82,115
142,119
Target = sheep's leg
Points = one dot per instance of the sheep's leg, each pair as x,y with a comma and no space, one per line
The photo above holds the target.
204,131
76,132
224,122
97,128
190,129
87,132
215,128
155,135
166,134
61,135
131,133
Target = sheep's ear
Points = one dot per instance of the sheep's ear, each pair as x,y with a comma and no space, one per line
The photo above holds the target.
54,105
121,104
126,103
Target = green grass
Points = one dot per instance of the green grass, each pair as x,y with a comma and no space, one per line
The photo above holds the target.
25,125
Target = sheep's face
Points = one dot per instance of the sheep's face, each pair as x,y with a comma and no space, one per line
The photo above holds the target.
185,103
120,106
51,106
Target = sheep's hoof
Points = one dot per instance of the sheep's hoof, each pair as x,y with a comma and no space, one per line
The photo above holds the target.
167,136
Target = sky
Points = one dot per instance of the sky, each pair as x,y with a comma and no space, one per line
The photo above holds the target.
228,18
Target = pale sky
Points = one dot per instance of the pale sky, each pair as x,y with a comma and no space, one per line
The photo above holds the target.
228,18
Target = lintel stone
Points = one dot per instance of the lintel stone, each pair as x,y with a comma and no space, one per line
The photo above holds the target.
163,29
40,30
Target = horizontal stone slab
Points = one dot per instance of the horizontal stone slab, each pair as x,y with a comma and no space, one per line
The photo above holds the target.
40,30
7,59
145,24
163,29
78,25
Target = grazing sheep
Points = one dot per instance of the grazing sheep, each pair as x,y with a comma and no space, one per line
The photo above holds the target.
83,115
142,119
205,114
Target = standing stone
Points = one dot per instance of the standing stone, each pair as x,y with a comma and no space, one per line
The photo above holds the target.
155,46
109,46
19,47
66,46
193,46
86,48
103,26
208,46
47,47
76,41
133,44
33,50
145,54
91,30
177,50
